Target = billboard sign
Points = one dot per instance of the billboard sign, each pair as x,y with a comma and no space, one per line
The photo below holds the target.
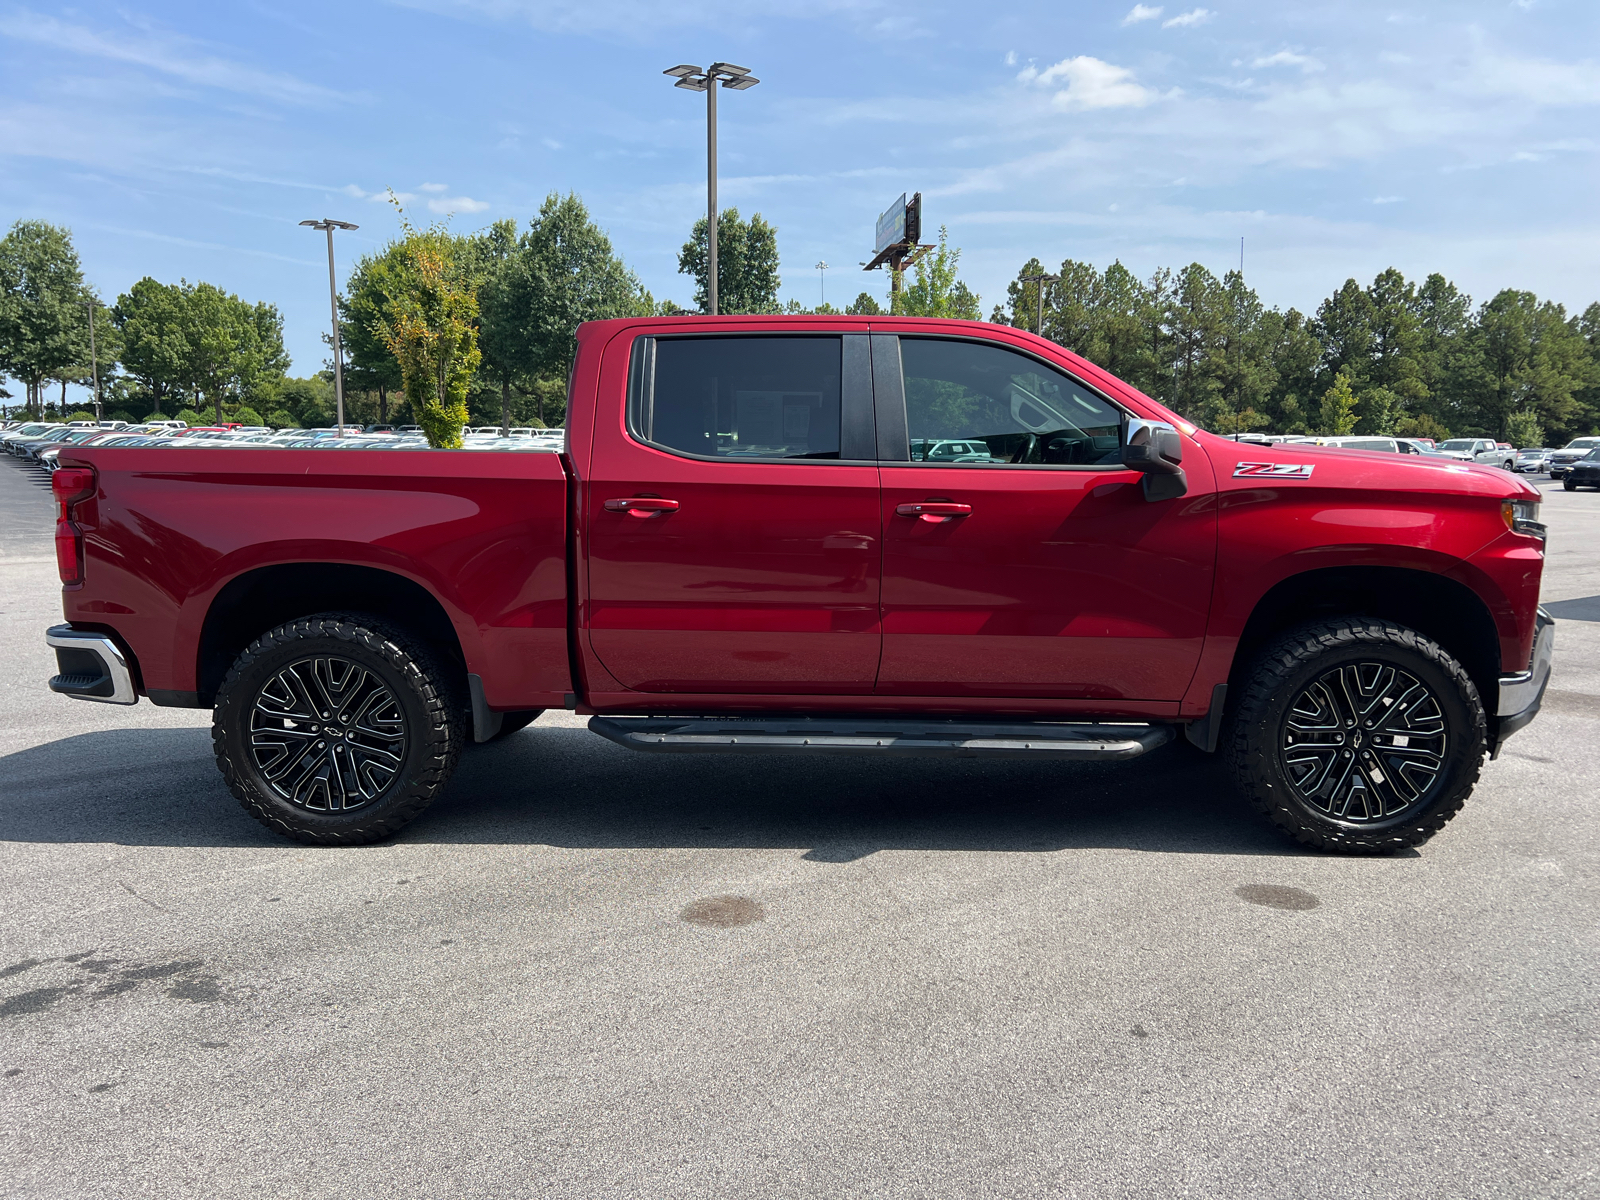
891,226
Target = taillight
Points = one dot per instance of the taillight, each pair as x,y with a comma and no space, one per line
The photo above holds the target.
72,485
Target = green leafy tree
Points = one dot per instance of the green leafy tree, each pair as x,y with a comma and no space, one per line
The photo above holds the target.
1338,413
152,319
429,323
1525,354
936,289
1422,426
362,309
1523,428
44,329
560,273
747,264
864,305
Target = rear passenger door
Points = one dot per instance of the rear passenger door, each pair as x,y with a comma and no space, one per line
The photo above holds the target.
732,518
1036,568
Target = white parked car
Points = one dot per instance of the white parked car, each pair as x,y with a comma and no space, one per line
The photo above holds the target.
1480,450
1387,444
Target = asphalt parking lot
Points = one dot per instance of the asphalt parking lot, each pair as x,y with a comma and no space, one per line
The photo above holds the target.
589,973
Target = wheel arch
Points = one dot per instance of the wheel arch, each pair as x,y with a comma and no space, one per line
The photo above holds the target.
1439,608
261,599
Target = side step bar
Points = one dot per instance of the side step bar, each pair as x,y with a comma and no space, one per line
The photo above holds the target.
881,735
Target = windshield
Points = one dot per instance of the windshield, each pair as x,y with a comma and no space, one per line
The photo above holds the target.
1583,443
1459,444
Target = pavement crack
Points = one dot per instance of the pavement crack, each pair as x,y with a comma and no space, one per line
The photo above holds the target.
146,899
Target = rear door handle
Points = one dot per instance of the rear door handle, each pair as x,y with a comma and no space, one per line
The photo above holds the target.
642,506
934,510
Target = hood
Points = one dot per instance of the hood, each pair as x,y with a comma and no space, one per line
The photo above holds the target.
1368,470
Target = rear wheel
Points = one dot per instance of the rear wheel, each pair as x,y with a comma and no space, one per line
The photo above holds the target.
337,729
1357,735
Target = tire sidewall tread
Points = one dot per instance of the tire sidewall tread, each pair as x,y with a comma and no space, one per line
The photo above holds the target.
1285,666
425,694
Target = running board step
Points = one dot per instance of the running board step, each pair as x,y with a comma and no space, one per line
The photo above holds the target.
886,735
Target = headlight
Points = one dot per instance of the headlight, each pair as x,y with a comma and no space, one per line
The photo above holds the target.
1522,516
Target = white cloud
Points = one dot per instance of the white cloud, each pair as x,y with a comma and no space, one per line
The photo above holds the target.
1142,12
433,187
182,58
1194,16
445,205
1011,58
1387,199
1542,82
1091,83
1288,58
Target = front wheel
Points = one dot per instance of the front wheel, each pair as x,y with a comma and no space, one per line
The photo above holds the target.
1358,736
337,729
1568,486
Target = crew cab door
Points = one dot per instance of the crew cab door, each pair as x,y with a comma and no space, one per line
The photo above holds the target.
1044,571
732,518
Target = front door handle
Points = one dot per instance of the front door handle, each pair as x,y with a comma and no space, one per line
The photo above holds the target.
934,510
642,506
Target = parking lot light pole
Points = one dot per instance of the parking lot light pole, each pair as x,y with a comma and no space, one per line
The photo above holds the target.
1040,280
693,79
822,277
328,225
94,360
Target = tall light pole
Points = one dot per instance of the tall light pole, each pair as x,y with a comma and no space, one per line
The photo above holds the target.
1040,280
94,360
822,278
695,80
328,225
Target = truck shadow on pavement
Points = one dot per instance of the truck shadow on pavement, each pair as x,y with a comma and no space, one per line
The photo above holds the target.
564,787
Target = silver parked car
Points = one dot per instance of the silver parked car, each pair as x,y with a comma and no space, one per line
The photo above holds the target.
1534,460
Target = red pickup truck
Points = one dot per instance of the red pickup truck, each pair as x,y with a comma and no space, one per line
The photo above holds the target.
747,546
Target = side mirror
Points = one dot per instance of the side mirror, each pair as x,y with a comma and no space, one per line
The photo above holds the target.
1155,449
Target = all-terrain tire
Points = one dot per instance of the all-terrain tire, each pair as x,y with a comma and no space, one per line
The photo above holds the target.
419,732
1260,737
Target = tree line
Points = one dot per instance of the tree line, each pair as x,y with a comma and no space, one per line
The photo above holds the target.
1397,357
445,329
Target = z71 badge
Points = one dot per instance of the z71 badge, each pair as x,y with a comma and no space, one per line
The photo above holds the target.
1273,470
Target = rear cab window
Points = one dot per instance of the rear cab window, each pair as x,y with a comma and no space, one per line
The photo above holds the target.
738,397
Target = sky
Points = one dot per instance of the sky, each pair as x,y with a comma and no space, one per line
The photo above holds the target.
188,140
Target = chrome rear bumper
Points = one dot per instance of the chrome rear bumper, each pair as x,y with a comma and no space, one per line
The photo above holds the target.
93,666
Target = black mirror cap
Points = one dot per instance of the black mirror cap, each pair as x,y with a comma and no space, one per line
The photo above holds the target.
1154,448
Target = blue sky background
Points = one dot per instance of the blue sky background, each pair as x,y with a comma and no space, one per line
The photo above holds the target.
189,139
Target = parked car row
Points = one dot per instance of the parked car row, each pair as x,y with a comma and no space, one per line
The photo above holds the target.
42,442
1532,460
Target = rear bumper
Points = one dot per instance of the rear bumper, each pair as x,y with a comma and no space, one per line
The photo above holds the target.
93,667
1521,693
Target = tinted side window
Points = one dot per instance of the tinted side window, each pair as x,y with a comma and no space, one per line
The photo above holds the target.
973,404
743,397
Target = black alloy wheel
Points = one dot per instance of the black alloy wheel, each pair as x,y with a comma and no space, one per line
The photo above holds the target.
1364,744
339,729
1356,735
327,734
